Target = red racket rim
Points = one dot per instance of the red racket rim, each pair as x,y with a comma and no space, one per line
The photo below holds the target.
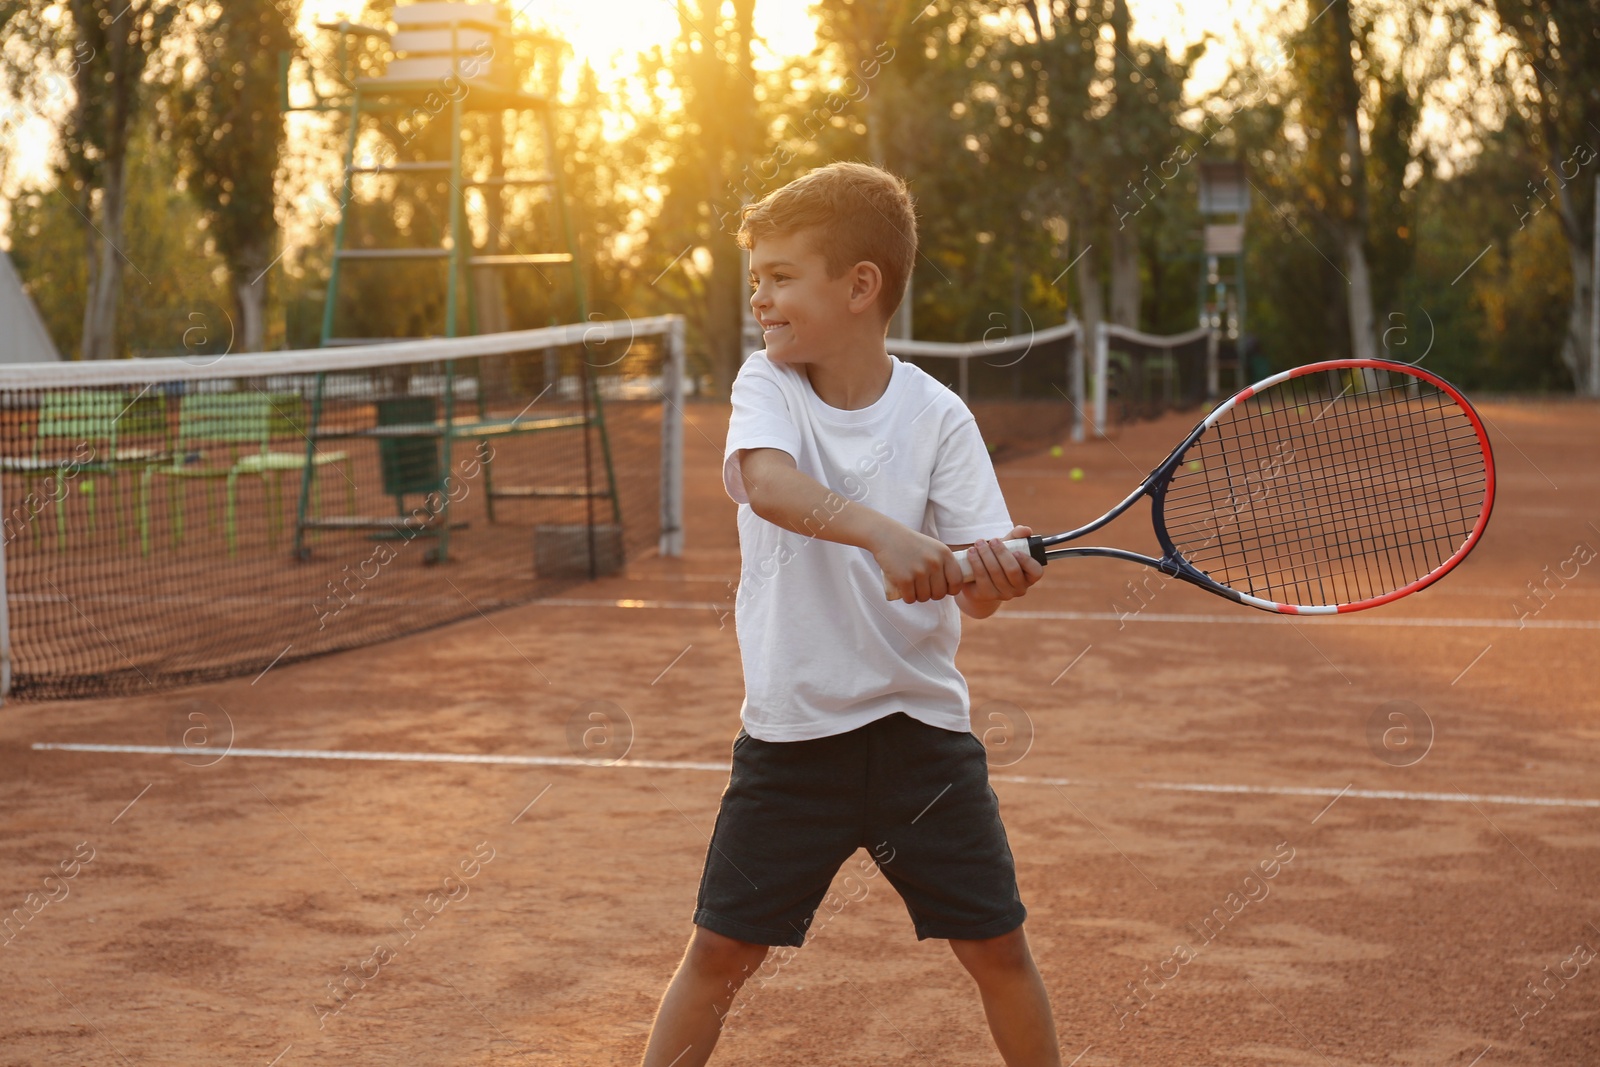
1455,557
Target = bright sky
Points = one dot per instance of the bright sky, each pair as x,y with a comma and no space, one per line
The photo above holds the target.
610,33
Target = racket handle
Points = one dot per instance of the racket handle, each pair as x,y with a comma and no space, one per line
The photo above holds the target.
1018,544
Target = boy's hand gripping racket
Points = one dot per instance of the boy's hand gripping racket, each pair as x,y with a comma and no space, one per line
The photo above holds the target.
1329,488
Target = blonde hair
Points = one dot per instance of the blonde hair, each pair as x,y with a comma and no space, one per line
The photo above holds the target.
854,212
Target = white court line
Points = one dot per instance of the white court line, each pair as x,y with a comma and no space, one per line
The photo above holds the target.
1269,619
1239,617
691,765
391,757
1312,791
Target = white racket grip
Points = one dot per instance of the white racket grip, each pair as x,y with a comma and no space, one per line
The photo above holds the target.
1017,544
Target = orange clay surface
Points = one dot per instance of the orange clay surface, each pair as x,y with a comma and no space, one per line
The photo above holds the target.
229,895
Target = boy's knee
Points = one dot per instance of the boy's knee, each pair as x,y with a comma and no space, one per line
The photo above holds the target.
1006,953
727,958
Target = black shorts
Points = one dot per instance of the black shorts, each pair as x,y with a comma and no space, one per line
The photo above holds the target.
915,796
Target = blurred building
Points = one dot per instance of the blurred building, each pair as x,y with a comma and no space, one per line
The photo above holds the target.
23,338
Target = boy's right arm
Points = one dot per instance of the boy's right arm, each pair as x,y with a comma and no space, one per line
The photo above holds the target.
921,567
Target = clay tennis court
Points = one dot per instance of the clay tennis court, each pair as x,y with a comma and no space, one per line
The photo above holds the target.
1159,746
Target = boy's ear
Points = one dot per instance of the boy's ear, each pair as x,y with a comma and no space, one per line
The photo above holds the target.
866,282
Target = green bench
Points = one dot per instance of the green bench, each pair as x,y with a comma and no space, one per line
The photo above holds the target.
244,424
115,434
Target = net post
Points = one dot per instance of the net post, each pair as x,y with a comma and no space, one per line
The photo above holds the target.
1075,386
671,542
1212,383
308,471
447,459
1102,364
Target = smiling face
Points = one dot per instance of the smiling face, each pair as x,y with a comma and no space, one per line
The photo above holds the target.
803,312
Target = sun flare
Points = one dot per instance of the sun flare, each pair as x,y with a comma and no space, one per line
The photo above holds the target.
610,35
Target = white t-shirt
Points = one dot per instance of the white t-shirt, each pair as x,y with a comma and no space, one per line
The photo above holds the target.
823,651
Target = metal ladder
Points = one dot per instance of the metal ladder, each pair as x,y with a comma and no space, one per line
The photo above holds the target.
468,47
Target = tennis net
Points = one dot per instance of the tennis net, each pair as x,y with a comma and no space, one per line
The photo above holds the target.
1139,375
1130,376
179,520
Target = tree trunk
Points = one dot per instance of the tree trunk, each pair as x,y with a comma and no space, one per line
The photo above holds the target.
1125,282
735,93
1090,297
1124,239
250,301
107,81
724,323
1092,302
1575,344
1363,336
1363,331
100,309
877,118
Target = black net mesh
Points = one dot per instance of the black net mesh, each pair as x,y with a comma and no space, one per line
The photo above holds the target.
1146,375
166,532
1023,368
1146,378
1331,488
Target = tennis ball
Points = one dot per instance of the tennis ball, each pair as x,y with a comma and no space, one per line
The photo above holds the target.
1193,464
1055,450
1076,474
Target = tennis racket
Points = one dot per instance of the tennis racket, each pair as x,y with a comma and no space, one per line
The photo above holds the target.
1332,487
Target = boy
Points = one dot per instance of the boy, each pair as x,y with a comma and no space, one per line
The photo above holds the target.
853,468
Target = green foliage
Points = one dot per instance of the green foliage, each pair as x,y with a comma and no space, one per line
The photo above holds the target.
1028,133
1014,168
1499,322
174,298
230,129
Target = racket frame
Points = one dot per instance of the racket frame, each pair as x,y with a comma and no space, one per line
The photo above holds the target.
1172,562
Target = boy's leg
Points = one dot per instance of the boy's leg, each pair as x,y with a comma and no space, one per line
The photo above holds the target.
698,998
1014,999
940,842
790,816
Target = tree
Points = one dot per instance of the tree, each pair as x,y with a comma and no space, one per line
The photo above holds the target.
711,65
177,307
1109,119
1558,51
869,35
111,44
1336,159
231,131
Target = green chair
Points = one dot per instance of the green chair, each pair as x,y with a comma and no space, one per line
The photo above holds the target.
245,423
408,464
115,434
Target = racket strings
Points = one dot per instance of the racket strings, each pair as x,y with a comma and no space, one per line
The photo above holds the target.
1350,489
1343,543
1346,521
1315,497
1396,503
1361,486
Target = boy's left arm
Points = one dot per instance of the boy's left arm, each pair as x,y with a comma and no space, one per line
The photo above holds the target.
998,575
